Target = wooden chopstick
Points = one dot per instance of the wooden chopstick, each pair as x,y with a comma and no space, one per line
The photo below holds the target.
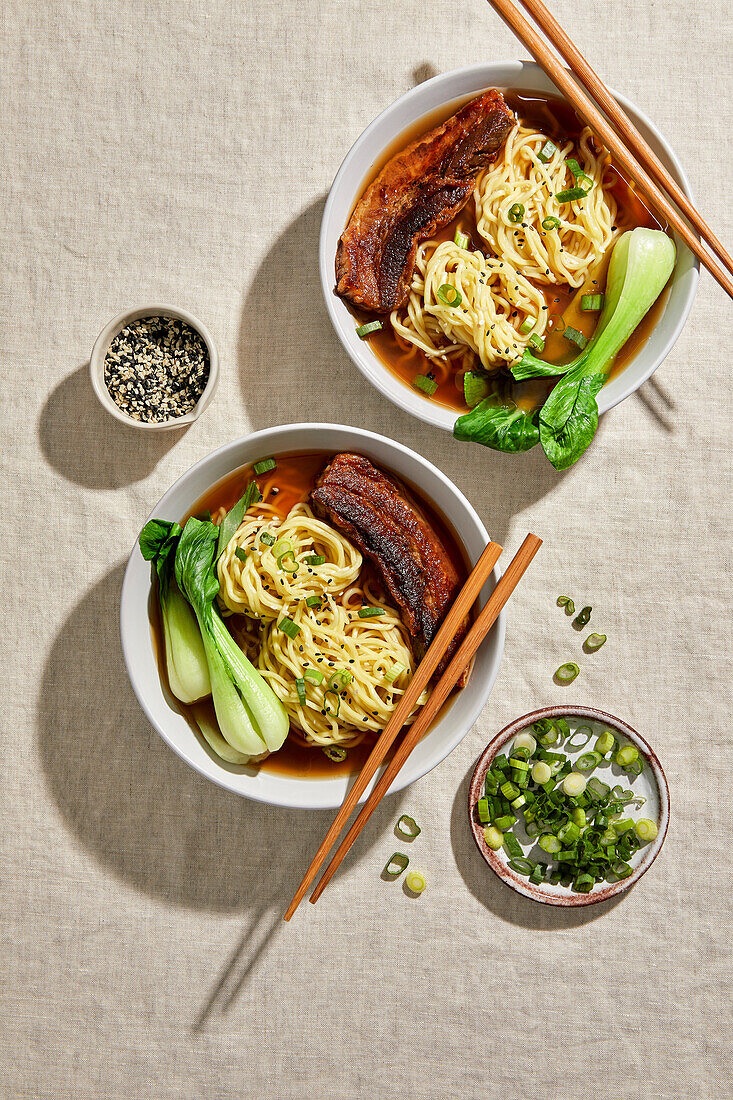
588,111
437,650
467,650
600,93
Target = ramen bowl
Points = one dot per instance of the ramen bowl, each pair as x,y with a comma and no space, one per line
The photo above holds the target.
168,718
446,93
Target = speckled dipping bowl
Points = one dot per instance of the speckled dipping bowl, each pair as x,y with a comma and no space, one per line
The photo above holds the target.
651,784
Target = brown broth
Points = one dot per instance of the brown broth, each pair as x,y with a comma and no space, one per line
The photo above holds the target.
556,118
293,479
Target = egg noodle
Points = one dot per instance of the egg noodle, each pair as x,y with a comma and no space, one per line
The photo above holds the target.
502,303
353,670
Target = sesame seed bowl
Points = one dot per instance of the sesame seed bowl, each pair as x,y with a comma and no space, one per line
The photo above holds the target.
155,367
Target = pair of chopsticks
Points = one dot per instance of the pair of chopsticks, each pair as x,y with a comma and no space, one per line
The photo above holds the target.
626,145
437,651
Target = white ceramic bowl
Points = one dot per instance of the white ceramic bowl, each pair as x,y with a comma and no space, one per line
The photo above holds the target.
99,354
354,174
137,645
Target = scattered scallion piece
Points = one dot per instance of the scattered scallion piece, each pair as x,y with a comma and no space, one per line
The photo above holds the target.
449,295
315,559
547,152
588,761
370,612
515,213
524,741
626,756
583,616
527,325
512,846
567,672
605,743
393,673
300,688
240,554
584,733
591,303
407,828
574,784
267,538
575,169
313,601
415,881
535,341
551,223
335,753
494,838
550,844
368,328
594,642
460,240
575,336
332,705
572,194
425,384
646,829
395,865
341,678
541,772
289,627
567,603
286,562
524,866
264,465
314,675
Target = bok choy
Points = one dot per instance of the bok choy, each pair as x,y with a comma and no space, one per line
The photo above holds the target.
251,718
188,670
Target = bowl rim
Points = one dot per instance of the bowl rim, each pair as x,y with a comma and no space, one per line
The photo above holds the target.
376,372
222,776
523,886
107,335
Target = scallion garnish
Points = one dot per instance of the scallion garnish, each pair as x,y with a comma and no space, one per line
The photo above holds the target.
547,152
289,627
415,881
368,328
646,830
575,170
583,616
267,538
594,642
605,743
588,761
567,672
341,676
337,754
575,336
494,838
527,325
460,239
522,865
515,213
427,385
264,465
314,675
567,603
535,341
591,303
551,223
286,562
393,673
315,559
336,705
571,194
370,612
313,601
449,295
584,733
240,554
395,865
626,756
407,828
300,688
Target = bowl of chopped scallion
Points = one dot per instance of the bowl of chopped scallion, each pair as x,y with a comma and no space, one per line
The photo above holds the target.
569,806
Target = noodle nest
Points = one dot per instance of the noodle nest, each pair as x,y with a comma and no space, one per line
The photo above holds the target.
365,663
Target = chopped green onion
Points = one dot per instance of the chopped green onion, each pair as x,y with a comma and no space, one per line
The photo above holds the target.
393,673
575,170
314,675
584,732
524,741
584,884
475,387
371,326
578,817
551,223
289,627
313,601
536,342
567,672
494,838
547,152
425,384
315,559
588,761
524,866
538,874
482,809
460,239
281,547
597,789
449,295
504,821
267,538
370,612
569,833
519,802
623,826
286,562
637,767
575,336
646,829
583,616
574,784
415,881
240,554
549,843
395,865
300,688
567,603
407,828
541,772
509,790
572,194
342,676
335,753
626,756
622,870
527,325
512,846
326,702
516,213
519,765
591,303
594,642
264,465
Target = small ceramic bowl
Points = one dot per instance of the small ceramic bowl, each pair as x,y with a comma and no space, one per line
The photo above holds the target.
99,354
651,785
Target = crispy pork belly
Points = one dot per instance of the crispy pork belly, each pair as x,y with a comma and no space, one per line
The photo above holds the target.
380,517
417,192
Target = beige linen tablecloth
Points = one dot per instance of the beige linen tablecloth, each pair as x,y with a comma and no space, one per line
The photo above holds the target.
182,152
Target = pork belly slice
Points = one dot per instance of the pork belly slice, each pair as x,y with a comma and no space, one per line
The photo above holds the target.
417,192
379,516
